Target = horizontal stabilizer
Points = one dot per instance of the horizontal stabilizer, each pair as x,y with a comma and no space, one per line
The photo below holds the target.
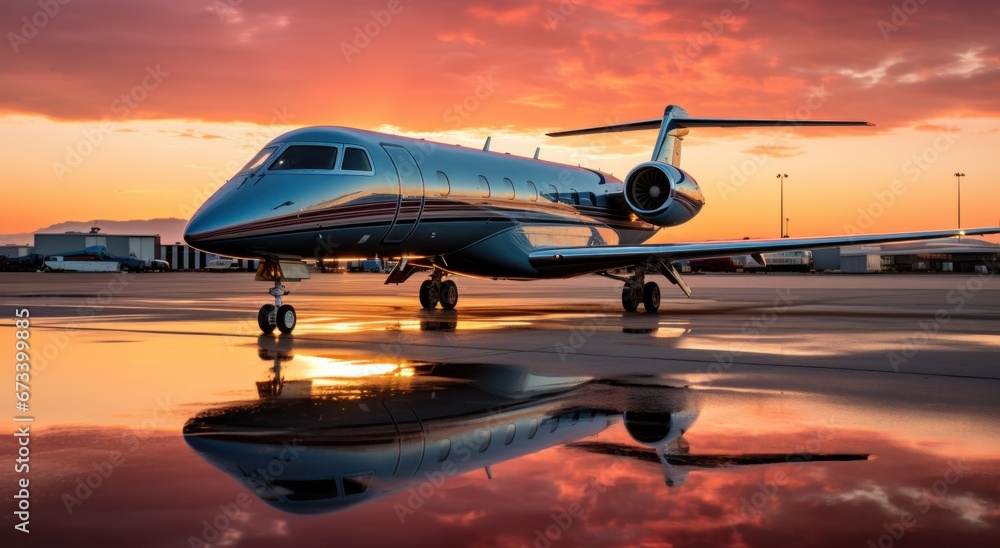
704,122
676,121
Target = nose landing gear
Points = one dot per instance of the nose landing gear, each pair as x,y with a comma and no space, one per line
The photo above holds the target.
279,315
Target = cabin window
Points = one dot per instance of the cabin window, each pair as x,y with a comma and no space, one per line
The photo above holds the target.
484,187
510,188
511,431
444,449
306,157
444,185
481,439
259,159
532,428
356,159
552,194
532,192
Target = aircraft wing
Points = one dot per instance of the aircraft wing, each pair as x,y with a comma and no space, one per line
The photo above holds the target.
582,260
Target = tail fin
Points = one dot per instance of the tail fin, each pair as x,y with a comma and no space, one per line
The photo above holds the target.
674,127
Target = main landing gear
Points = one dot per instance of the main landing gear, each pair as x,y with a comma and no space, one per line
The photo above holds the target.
638,291
437,290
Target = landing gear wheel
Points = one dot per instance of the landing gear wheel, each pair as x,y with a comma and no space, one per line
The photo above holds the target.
430,294
449,295
266,319
631,297
651,296
286,318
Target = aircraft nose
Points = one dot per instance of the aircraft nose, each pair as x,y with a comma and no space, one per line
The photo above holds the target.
199,225
206,223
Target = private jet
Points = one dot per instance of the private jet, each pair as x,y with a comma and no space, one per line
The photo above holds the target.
335,193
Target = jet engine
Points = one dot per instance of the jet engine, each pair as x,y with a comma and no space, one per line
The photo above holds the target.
662,194
653,428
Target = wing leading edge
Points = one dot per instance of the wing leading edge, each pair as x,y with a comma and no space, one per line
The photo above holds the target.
584,260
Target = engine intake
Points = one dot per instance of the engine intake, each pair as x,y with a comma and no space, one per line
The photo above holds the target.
662,194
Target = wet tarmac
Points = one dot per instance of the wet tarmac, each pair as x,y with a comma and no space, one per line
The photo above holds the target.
767,410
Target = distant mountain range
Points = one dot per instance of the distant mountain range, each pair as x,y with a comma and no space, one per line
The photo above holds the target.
169,229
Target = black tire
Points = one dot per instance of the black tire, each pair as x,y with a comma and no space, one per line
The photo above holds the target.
265,319
430,294
631,297
286,318
651,297
449,295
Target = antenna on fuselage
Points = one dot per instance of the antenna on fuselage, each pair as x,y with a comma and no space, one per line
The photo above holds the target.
487,145
537,150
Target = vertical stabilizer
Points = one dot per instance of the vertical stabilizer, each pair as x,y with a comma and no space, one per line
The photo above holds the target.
668,142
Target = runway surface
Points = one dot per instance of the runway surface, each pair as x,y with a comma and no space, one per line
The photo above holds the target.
769,409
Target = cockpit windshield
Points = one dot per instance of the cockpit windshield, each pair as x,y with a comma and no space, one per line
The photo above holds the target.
259,159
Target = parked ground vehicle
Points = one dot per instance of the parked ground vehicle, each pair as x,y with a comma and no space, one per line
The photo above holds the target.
368,265
223,265
157,265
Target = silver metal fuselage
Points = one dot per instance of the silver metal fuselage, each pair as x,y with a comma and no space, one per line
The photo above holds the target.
477,213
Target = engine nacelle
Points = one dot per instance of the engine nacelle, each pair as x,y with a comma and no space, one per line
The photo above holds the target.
662,194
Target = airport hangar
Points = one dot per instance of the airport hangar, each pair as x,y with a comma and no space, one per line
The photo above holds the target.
141,246
945,255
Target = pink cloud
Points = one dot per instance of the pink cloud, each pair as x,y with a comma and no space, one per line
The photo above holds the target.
360,64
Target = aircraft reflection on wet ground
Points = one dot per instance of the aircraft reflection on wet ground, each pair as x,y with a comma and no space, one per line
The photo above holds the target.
345,432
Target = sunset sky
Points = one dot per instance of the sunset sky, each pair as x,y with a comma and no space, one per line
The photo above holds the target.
122,110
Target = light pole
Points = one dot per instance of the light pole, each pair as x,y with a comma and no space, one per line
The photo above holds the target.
786,227
782,177
958,177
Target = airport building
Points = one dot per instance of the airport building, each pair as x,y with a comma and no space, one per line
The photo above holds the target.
13,251
140,246
185,257
944,255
